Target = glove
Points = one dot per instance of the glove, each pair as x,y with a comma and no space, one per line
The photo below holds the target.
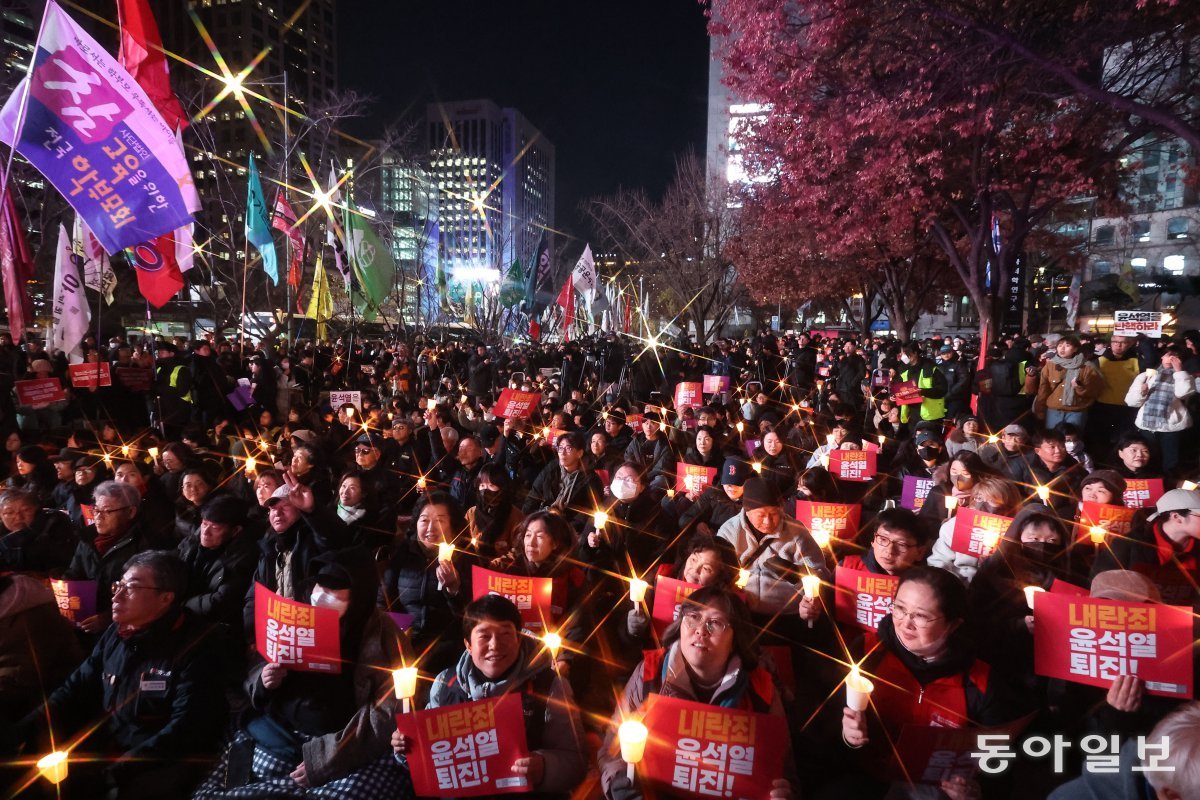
622,789
636,622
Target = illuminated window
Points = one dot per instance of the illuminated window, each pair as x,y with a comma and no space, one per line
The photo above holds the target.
1174,264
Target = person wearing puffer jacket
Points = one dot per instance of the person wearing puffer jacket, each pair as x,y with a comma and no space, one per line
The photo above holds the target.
1160,397
991,493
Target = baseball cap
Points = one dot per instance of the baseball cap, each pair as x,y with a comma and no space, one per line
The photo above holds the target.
1176,500
373,439
926,436
734,472
488,435
305,435
1015,428
282,493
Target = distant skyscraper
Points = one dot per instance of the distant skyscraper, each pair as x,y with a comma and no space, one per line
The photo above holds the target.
495,177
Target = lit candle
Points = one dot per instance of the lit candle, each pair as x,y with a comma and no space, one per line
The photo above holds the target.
445,553
951,504
741,426
53,767
991,539
251,464
462,398
821,537
405,680
391,416
670,493
757,467
743,579
858,690
350,411
421,483
1188,486
632,735
1043,493
553,643
825,460
107,460
882,439
637,590
830,440
993,439
1030,593
1096,533
599,520
795,407
153,451
125,450
812,586
545,433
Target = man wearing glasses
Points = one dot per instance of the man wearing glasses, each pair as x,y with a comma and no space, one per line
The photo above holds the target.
368,456
114,536
901,541
150,694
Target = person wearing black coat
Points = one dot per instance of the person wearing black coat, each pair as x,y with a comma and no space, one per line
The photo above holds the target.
34,539
481,373
149,696
566,484
220,558
851,370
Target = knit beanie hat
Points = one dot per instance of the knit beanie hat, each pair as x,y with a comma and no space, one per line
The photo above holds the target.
758,493
1111,479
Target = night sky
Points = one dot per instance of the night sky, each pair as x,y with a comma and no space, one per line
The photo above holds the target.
619,87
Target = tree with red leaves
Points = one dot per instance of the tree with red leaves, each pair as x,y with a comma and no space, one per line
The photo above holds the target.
884,119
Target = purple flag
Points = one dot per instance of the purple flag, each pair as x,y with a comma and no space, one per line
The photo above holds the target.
95,135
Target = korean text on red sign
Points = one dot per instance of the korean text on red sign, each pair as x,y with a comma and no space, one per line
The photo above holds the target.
669,595
515,404
1142,492
977,533
688,393
301,636
863,598
467,750
700,750
839,520
852,465
1094,641
692,477
533,597
89,376
38,391
1115,520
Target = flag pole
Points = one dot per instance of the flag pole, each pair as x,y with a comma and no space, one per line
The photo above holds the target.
245,273
287,239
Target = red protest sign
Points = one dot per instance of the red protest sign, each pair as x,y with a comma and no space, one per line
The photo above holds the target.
135,379
39,391
852,465
977,533
467,750
715,384
863,598
533,597
688,393
76,600
89,376
692,477
1142,492
669,595
705,750
839,520
905,393
1115,520
301,636
513,403
931,754
1062,587
1093,641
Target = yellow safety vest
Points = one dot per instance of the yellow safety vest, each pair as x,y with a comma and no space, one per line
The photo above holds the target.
930,409
187,398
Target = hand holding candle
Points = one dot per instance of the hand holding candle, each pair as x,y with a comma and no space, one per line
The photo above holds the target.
632,734
53,767
405,680
812,591
858,690
637,590
445,555
1030,593
1097,533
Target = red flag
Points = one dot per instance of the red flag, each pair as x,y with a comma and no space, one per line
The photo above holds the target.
157,270
16,267
566,299
284,219
142,55
627,324
535,330
979,366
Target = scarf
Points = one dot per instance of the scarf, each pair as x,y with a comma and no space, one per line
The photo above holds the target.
567,487
1071,366
1157,407
531,660
351,514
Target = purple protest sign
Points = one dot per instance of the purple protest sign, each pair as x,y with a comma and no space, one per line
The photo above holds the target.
96,136
403,621
914,492
76,599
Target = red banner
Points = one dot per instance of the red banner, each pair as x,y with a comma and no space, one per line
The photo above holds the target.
688,393
533,597
852,465
301,636
1070,589
467,750
839,520
863,598
669,595
1115,520
977,533
89,376
1142,492
708,751
514,403
715,384
39,391
689,477
932,754
135,379
1094,642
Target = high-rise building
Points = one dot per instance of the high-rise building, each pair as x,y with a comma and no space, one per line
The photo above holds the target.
494,172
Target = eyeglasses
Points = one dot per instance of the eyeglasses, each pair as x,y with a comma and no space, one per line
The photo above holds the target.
895,544
129,588
363,449
918,619
692,620
101,512
564,448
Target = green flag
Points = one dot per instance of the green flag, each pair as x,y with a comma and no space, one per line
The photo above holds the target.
374,268
512,291
258,228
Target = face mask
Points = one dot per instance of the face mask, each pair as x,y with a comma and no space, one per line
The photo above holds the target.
623,490
1073,447
323,599
1037,551
490,496
905,359
927,453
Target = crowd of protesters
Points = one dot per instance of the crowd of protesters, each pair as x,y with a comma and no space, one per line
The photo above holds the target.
233,469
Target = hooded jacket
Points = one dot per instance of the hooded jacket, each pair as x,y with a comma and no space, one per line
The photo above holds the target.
767,591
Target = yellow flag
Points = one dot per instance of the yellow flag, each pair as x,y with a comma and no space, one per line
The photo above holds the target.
320,304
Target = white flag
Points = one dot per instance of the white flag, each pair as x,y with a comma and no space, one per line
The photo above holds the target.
98,273
71,313
185,251
337,240
584,275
